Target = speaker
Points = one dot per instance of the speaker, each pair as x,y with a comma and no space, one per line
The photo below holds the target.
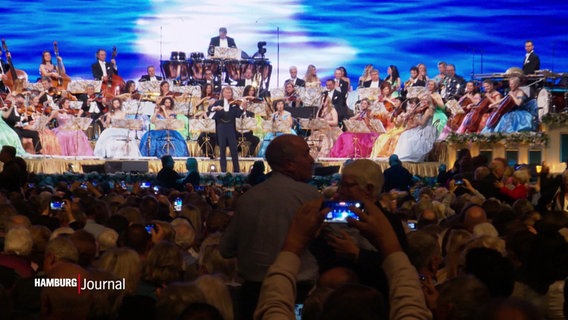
100,168
126,166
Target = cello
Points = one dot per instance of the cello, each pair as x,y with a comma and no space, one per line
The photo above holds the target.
15,79
477,114
63,79
113,85
505,106
458,118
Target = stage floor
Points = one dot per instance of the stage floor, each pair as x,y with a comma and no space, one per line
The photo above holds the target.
59,165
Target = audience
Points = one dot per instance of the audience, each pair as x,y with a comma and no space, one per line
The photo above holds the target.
484,249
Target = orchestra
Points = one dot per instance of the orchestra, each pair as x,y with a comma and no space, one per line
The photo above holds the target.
42,113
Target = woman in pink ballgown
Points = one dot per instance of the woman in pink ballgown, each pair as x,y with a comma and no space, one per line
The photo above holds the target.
72,139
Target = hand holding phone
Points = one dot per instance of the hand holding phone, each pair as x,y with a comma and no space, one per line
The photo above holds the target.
340,210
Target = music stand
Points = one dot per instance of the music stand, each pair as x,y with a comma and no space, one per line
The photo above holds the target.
206,126
167,124
244,125
130,125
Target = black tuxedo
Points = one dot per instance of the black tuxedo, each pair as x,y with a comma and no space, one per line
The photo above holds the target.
367,84
241,83
215,41
531,64
299,82
13,120
98,72
146,77
226,131
418,83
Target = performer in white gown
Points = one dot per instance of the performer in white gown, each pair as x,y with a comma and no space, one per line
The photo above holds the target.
116,142
419,137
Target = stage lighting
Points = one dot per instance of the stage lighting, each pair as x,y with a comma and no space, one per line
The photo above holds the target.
212,168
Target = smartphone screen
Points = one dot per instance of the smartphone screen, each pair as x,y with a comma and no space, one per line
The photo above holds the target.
340,210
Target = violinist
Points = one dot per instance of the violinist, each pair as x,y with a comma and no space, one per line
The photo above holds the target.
130,91
250,96
337,98
73,140
280,119
207,98
161,142
291,97
17,119
225,112
151,76
101,69
387,96
48,69
49,141
93,107
50,94
326,137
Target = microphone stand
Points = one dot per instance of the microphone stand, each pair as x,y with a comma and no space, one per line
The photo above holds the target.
137,114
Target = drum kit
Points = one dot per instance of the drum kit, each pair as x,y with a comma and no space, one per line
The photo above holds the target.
181,69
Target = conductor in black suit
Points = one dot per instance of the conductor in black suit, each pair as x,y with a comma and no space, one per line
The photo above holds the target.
532,61
225,113
101,69
222,40
151,76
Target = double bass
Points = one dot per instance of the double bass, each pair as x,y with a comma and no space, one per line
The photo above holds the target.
63,80
113,85
505,106
15,79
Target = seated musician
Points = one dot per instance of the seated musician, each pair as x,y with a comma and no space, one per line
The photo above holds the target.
490,92
454,84
356,144
207,98
250,95
151,75
17,121
209,79
114,141
165,92
375,81
222,40
72,140
297,82
311,77
440,118
48,69
467,103
101,69
518,117
366,75
49,142
157,143
414,81
93,107
325,138
282,116
291,97
394,79
247,81
49,94
422,72
129,91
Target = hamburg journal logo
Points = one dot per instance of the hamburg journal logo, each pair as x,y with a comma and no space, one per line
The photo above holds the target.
81,284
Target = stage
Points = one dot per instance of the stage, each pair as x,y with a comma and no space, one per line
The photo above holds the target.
59,165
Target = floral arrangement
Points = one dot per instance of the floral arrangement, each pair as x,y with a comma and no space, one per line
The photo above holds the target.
555,119
530,138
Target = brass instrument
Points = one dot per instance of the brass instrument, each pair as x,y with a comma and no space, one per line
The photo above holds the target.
256,82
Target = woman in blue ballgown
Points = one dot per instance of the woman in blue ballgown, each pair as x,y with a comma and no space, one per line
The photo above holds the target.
282,116
419,137
157,143
523,115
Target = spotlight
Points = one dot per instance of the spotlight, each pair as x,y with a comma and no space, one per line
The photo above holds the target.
212,168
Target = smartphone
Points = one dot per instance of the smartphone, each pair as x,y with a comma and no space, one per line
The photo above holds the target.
145,185
458,182
177,204
123,185
83,185
199,188
340,210
156,189
298,311
149,228
31,185
412,225
56,205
